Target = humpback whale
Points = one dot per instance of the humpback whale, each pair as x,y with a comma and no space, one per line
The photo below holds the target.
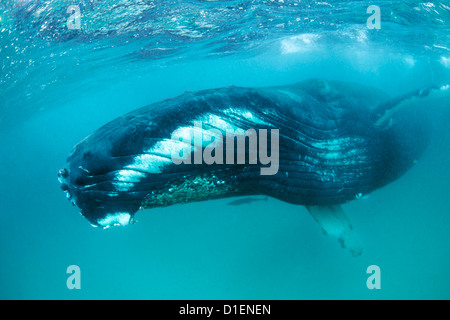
335,142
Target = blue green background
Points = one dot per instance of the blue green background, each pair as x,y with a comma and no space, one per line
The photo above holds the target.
57,86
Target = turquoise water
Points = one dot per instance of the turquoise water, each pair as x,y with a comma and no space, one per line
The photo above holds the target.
59,85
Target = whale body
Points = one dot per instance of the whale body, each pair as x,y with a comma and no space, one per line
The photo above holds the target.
335,142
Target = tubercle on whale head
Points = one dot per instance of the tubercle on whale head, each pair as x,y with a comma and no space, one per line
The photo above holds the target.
63,174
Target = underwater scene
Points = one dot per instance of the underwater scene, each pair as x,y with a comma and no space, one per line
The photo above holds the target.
250,150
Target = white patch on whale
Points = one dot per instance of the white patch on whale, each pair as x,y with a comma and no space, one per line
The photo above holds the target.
245,114
129,176
151,162
142,165
125,179
217,122
115,219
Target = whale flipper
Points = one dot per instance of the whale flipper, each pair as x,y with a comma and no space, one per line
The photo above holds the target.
415,100
334,222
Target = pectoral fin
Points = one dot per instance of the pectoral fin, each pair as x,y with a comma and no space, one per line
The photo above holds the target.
335,223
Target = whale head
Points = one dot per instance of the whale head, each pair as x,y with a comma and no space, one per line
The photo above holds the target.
96,178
